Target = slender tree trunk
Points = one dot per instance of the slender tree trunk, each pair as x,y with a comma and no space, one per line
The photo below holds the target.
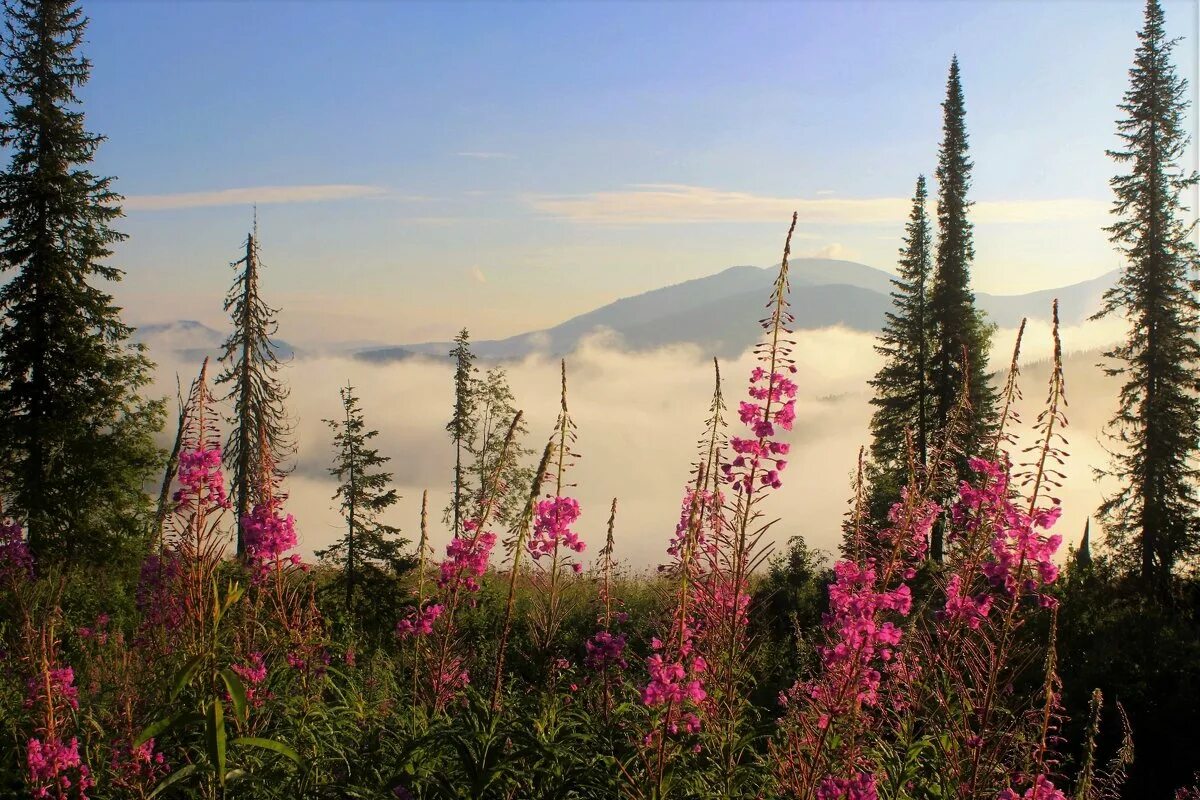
350,515
244,394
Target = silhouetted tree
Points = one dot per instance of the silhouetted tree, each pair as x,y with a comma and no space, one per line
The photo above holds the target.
75,437
1151,522
460,427
371,552
958,327
251,369
902,388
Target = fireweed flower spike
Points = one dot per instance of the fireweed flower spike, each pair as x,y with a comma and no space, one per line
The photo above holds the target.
756,469
825,717
552,537
679,666
467,560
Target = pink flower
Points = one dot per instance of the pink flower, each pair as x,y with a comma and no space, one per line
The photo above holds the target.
16,562
55,769
134,769
419,622
268,534
467,560
551,528
1042,789
604,650
200,478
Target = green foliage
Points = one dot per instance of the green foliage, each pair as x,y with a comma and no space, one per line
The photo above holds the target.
1153,519
75,438
461,426
371,552
902,401
961,336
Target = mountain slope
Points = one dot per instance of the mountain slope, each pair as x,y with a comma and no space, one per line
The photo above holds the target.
712,312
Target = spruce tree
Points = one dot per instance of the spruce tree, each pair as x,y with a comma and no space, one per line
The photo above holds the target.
75,437
1152,521
958,327
251,369
461,426
371,552
902,391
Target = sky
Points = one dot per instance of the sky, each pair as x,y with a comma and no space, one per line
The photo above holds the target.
419,167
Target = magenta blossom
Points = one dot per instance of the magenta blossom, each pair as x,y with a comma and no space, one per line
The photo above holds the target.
1042,789
467,559
419,622
552,527
56,771
16,562
201,479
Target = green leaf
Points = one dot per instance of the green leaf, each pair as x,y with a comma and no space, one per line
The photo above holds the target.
185,675
161,726
268,744
172,779
215,736
237,692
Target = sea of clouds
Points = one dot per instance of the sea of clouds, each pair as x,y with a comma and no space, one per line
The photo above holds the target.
639,415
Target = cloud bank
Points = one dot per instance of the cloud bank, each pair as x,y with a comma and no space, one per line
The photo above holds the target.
639,415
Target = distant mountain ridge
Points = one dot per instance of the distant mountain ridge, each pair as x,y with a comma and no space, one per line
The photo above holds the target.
713,312
191,340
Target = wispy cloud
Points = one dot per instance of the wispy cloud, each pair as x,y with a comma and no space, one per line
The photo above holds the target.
484,154
261,195
663,203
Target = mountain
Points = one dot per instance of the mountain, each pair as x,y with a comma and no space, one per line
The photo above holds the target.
190,340
712,312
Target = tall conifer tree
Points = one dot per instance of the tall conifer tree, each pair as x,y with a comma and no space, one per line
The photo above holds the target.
371,551
902,390
75,437
958,327
461,424
1152,522
251,364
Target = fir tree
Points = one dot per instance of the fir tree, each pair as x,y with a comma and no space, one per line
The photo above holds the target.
460,426
1152,521
958,327
75,436
902,391
251,366
371,552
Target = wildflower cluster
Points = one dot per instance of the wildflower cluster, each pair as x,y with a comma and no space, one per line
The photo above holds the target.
1042,789
201,478
763,456
56,770
419,621
1021,555
552,529
466,559
604,650
134,768
16,562
268,535
253,675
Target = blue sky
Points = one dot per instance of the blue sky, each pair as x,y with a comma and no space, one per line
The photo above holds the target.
423,166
